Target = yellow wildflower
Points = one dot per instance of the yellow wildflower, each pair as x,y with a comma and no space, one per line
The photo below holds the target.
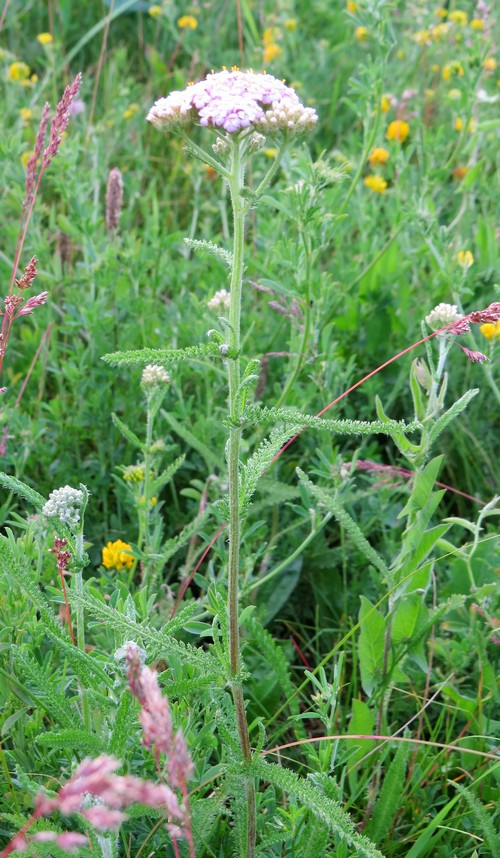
398,130
130,111
465,259
270,35
152,501
18,71
476,24
385,104
434,68
459,173
351,7
454,95
458,124
116,555
489,64
378,156
361,34
458,17
376,184
26,113
440,31
490,329
45,38
290,24
440,13
187,22
400,54
25,158
271,52
34,78
270,153
453,69
155,11
422,37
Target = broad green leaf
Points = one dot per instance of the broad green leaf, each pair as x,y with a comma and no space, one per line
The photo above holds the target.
370,645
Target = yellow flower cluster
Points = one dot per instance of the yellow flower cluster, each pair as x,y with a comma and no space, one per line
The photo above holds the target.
155,11
453,69
465,259
187,22
130,111
376,184
117,555
133,474
18,72
361,34
45,38
490,330
378,156
398,130
26,114
271,49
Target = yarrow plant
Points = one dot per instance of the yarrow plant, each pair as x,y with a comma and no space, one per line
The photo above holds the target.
241,108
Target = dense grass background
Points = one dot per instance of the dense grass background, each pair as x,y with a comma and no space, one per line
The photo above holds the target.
354,272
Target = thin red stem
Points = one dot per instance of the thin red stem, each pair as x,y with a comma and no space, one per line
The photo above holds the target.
288,443
68,612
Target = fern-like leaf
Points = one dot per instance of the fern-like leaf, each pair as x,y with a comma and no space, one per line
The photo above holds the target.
333,504
21,489
323,808
208,248
165,357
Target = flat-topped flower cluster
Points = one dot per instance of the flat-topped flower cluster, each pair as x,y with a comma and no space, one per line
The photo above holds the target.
232,101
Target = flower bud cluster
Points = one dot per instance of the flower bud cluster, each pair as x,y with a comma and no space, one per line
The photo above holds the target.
153,374
64,504
220,301
441,315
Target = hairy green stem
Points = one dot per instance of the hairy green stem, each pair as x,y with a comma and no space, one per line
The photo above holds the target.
80,618
236,183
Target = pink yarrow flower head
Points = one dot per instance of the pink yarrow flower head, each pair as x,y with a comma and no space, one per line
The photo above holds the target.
233,101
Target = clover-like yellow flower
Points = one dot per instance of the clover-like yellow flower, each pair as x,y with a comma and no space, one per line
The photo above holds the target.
271,152
271,52
385,104
458,17
490,330
187,22
465,259
25,158
376,184
18,71
352,7
440,31
130,111
117,555
378,155
361,34
290,25
45,38
477,24
489,64
398,130
155,11
26,113
440,13
422,37
453,69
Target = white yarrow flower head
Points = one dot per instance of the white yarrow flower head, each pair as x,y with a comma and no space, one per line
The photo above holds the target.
65,504
441,315
153,374
233,101
220,301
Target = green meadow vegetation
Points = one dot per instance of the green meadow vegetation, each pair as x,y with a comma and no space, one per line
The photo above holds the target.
249,430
